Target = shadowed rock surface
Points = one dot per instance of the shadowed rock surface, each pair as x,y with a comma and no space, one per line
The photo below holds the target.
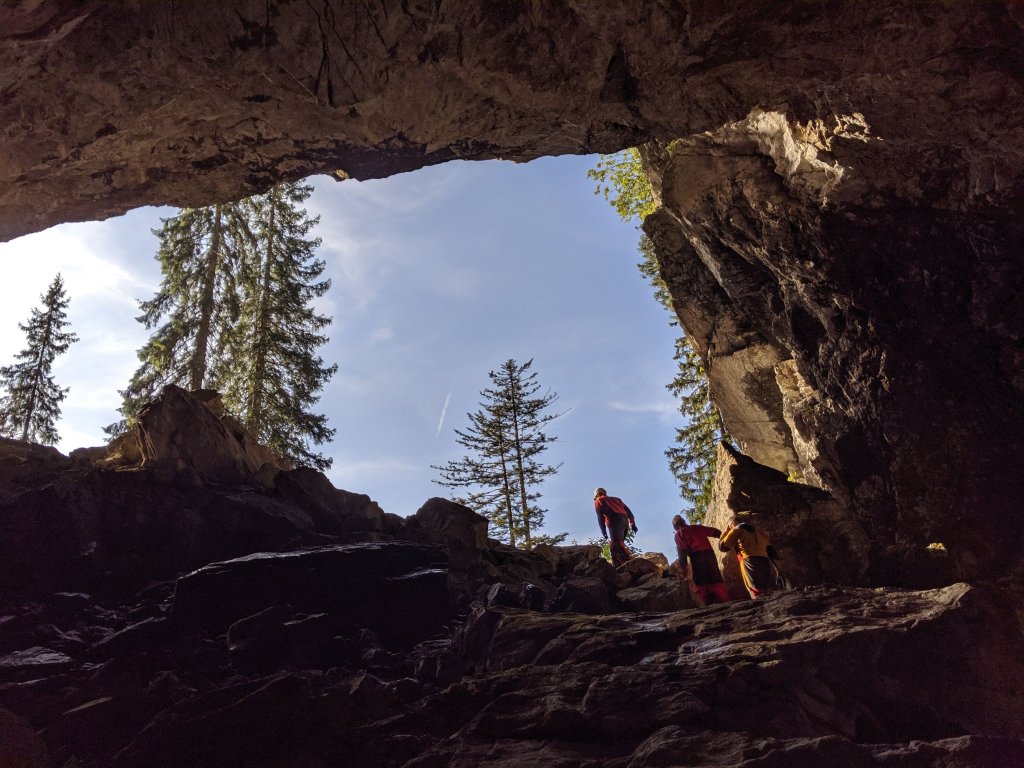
420,642
840,186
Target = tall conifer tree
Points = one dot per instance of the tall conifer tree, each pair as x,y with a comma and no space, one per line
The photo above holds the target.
503,472
235,313
271,373
201,252
31,406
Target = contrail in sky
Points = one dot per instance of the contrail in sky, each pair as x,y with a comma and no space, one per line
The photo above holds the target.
444,410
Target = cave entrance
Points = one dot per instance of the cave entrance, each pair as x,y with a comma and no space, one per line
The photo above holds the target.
438,276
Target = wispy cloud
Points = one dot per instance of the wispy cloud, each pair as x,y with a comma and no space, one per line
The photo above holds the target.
444,410
664,408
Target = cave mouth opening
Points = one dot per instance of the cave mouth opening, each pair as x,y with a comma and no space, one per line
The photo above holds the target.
438,276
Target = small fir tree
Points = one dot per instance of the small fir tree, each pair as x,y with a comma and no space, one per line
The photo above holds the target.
503,471
31,406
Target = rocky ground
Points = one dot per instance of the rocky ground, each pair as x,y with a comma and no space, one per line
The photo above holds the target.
346,636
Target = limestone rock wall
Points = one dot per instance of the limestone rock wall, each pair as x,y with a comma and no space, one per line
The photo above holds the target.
855,339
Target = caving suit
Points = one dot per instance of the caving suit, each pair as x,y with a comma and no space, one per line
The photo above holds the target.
706,582
755,565
614,518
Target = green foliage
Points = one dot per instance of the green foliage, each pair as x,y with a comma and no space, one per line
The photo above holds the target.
622,181
693,459
502,471
201,252
31,406
234,312
271,374
606,545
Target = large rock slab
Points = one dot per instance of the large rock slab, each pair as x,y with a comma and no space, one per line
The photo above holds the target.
820,675
826,676
184,487
397,589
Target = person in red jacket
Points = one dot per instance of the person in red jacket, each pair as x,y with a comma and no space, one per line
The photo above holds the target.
614,517
699,562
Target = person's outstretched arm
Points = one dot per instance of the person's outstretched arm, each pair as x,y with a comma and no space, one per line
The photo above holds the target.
728,539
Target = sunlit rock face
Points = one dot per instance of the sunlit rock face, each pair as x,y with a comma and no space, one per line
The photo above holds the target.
863,324
840,229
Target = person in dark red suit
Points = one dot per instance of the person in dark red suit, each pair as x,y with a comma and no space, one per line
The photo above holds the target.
699,562
614,518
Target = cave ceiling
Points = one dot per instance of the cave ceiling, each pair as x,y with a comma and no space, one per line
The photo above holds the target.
109,106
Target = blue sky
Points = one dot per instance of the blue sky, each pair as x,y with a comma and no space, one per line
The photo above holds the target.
438,276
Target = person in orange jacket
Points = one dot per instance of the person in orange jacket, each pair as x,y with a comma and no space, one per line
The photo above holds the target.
615,518
751,545
699,562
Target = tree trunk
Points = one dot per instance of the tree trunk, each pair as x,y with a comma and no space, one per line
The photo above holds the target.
197,365
254,420
518,447
37,374
510,516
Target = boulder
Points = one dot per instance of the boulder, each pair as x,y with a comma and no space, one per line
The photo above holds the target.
34,662
581,595
527,596
571,557
462,532
657,596
24,464
658,558
445,522
638,568
332,510
188,432
602,570
519,565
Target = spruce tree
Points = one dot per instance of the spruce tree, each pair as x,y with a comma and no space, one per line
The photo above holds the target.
693,458
271,374
503,471
31,406
201,251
